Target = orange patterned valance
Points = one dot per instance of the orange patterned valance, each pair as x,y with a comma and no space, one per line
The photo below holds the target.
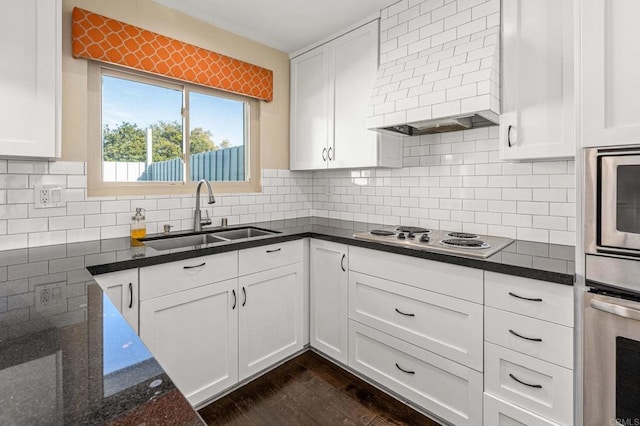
107,40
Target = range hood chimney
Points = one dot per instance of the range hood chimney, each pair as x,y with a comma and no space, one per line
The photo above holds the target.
439,68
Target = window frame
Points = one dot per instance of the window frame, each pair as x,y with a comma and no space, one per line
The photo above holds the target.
97,187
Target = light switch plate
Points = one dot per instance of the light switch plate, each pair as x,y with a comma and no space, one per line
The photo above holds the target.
47,196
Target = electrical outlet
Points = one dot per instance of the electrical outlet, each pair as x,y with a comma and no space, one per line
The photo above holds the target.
44,196
47,196
49,296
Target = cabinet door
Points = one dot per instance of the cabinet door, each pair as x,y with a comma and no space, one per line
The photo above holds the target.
310,109
30,70
610,69
194,336
328,302
537,80
270,323
122,289
353,68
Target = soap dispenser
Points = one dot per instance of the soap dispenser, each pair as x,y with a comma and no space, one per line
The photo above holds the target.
138,226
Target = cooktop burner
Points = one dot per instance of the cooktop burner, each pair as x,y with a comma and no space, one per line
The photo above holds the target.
457,243
382,232
461,235
413,229
465,243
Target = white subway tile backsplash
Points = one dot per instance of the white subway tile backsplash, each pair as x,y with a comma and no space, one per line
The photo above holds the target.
14,181
27,167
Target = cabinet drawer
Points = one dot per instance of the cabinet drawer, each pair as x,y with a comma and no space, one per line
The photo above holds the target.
502,413
551,302
443,387
172,277
442,324
268,257
505,328
536,385
445,278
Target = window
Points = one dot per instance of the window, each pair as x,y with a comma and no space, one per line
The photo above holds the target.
153,135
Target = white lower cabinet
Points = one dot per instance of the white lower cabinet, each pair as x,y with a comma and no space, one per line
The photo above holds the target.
442,324
501,413
194,336
122,289
445,388
533,384
528,355
329,280
209,335
270,318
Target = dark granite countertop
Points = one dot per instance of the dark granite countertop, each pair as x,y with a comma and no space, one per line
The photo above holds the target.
67,356
547,262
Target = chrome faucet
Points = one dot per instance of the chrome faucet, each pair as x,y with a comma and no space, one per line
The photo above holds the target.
198,222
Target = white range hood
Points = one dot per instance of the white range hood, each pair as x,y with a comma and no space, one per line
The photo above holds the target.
439,67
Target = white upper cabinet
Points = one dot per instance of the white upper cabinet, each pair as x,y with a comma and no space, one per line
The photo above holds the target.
330,89
30,72
610,70
537,119
310,109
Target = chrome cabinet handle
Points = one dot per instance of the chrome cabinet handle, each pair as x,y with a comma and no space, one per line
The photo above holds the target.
621,311
234,298
535,299
274,250
509,135
342,262
403,370
194,266
405,314
329,154
324,154
244,292
524,383
533,339
130,295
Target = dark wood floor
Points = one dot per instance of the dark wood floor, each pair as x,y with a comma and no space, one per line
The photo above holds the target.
309,390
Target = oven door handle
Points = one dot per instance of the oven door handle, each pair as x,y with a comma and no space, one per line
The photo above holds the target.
621,311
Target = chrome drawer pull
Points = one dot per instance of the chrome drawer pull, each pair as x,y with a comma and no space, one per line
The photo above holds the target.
523,383
402,313
274,250
404,371
621,311
533,339
536,299
195,266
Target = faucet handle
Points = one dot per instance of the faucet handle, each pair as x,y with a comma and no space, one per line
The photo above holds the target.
167,228
207,221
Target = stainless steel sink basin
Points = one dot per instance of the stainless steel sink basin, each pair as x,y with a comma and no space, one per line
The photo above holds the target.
170,242
180,241
240,233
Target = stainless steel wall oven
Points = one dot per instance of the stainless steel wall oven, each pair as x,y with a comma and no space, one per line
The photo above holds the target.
612,305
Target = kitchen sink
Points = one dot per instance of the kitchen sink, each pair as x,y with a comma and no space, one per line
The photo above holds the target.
240,233
170,242
180,241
